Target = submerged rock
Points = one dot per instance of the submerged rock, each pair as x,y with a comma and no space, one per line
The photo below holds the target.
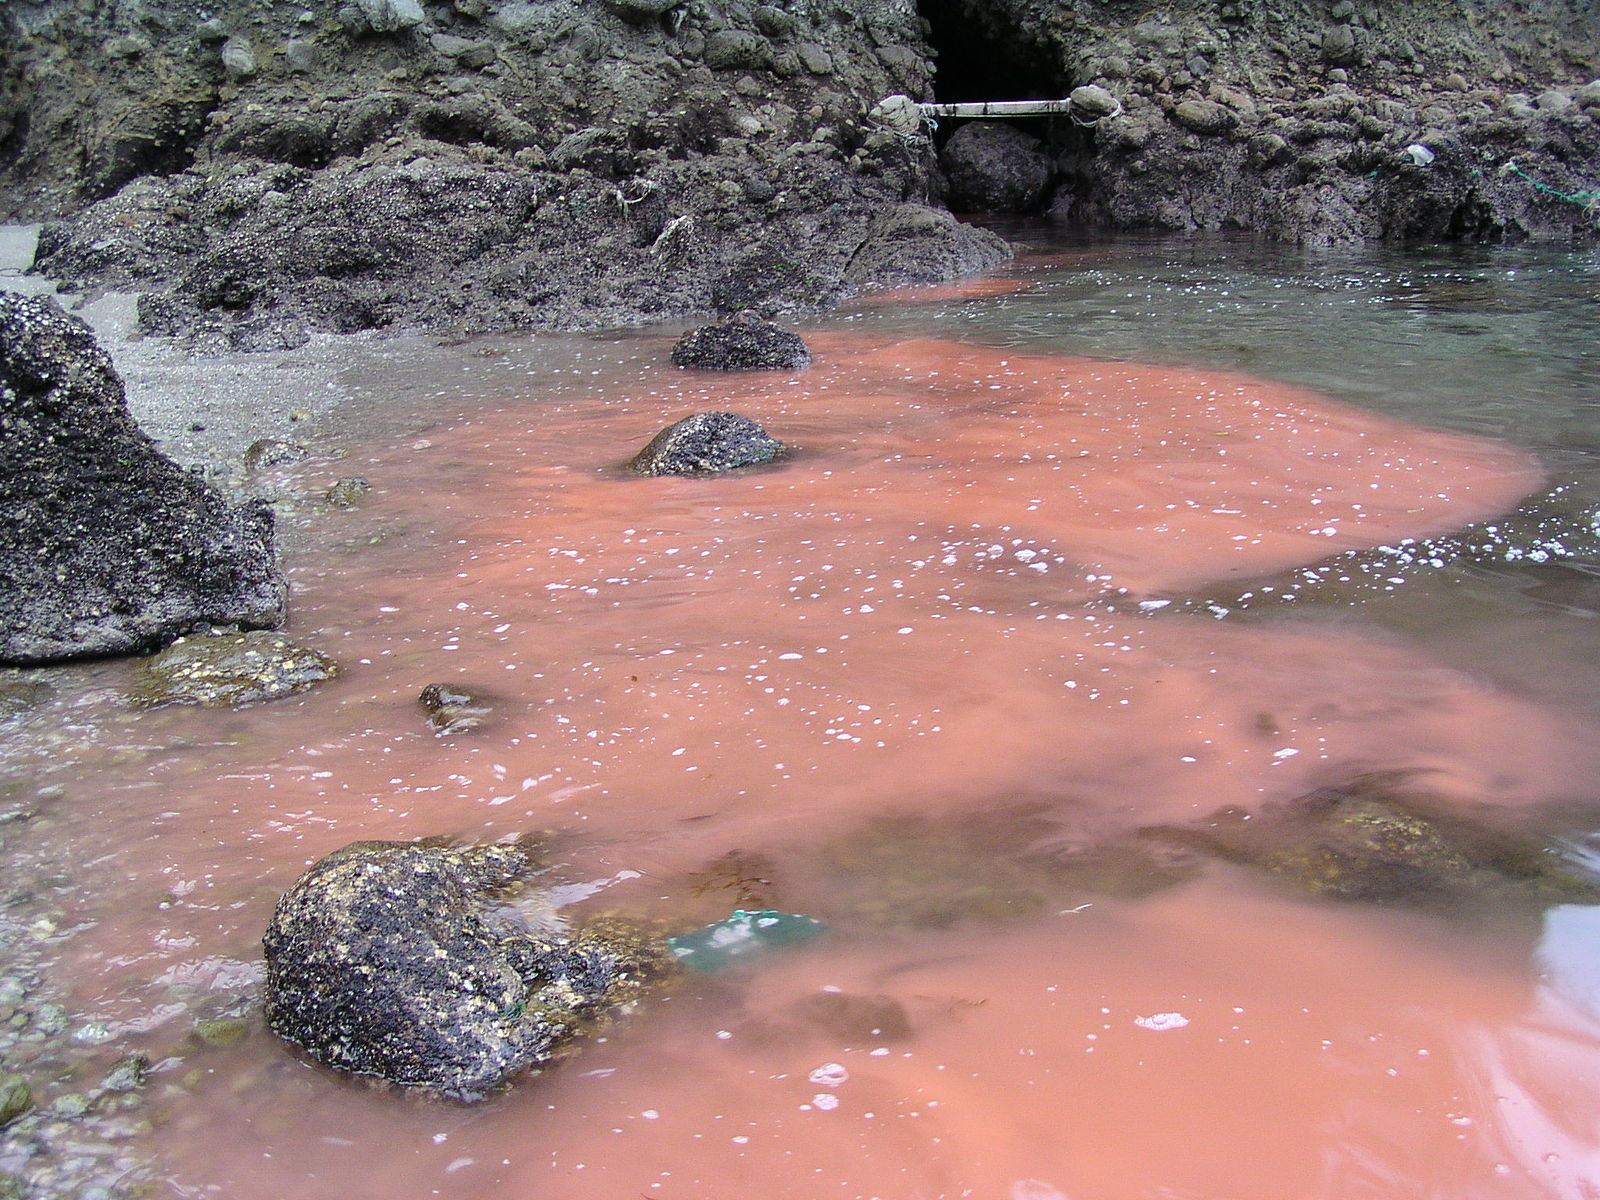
224,1032
704,443
16,1098
19,698
936,872
452,709
856,1020
106,545
1382,839
347,493
395,960
229,671
1561,525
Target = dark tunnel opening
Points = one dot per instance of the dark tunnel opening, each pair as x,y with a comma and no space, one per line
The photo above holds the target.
983,53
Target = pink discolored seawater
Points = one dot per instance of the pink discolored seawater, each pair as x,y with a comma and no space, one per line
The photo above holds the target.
896,621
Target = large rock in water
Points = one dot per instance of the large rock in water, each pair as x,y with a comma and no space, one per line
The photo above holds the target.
744,342
705,443
406,962
106,545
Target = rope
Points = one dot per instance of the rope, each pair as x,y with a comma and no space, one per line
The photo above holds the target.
1587,200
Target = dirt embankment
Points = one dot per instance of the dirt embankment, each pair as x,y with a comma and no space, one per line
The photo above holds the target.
494,164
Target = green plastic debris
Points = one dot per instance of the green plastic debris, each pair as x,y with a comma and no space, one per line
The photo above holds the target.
719,944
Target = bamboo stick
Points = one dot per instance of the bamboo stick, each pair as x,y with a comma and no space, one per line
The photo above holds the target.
997,108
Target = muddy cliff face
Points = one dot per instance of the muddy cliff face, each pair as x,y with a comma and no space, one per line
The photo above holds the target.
494,164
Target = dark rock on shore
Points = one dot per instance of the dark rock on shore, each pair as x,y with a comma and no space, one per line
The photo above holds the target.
741,343
481,167
229,671
107,546
912,243
994,167
406,962
704,443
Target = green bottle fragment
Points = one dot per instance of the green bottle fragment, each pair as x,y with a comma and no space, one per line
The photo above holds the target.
720,943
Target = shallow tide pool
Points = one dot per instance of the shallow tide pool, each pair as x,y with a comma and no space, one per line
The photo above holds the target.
920,680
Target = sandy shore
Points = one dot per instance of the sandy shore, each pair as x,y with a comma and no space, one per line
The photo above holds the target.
200,410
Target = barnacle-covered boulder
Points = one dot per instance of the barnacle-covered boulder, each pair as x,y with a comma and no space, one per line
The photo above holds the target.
706,443
744,342
410,962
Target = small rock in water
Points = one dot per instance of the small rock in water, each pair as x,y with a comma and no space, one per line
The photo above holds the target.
71,1105
452,709
222,1031
94,1033
127,1075
856,1020
1382,838
229,670
270,452
707,442
744,342
347,493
